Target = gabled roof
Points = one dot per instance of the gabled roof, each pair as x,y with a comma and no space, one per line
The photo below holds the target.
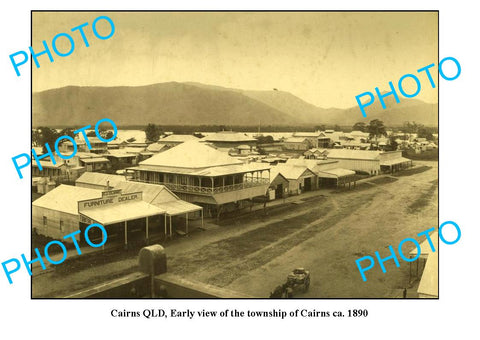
296,139
151,193
65,198
316,150
191,155
313,164
159,196
290,171
96,178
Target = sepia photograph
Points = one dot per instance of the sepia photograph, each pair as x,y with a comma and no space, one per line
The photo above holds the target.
234,154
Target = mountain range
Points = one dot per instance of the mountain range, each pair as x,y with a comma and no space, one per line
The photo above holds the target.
189,103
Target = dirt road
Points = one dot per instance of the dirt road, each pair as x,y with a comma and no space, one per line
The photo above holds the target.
324,232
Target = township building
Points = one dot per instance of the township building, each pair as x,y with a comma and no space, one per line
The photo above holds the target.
125,216
297,144
99,181
316,153
97,146
198,173
130,212
226,140
312,137
328,172
369,161
300,178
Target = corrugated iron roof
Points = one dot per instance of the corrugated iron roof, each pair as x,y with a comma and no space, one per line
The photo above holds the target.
114,213
290,171
65,198
191,155
354,154
96,178
335,173
398,160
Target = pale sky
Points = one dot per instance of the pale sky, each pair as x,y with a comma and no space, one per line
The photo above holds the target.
324,58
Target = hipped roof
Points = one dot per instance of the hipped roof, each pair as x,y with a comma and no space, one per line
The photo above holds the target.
191,155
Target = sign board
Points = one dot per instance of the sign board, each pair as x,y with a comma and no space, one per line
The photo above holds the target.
85,219
109,200
109,193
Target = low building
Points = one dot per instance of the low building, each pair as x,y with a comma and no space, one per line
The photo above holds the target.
323,140
300,178
369,161
392,161
315,153
96,145
55,171
311,136
297,144
124,215
120,159
279,187
95,163
363,161
328,172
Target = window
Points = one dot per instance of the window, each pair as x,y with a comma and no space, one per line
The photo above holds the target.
61,226
45,221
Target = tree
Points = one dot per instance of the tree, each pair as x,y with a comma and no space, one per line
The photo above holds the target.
47,135
393,143
36,138
91,134
376,129
265,139
424,132
360,126
67,132
337,128
107,134
320,127
152,132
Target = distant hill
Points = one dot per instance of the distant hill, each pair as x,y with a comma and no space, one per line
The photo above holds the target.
196,104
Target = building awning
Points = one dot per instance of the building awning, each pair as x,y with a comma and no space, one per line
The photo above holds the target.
95,160
394,161
179,207
425,248
335,173
122,212
428,286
